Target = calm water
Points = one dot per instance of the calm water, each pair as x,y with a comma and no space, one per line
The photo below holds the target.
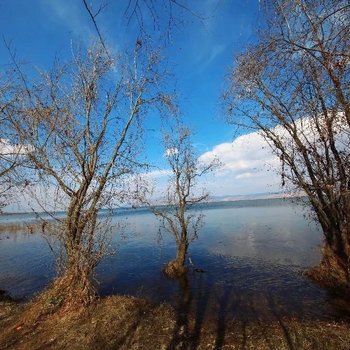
253,252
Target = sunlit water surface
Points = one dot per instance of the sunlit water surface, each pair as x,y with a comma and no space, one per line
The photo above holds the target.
253,254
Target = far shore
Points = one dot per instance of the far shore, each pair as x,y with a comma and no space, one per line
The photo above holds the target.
158,202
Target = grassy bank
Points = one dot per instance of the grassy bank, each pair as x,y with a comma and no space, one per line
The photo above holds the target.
120,322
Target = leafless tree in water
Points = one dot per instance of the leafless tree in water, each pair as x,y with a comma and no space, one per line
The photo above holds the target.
178,216
292,86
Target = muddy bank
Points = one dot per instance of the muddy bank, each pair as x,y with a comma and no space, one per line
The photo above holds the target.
121,322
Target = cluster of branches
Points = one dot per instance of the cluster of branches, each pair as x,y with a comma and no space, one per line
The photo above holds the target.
164,17
150,17
11,150
293,87
81,123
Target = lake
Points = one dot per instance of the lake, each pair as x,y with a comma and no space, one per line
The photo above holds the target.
253,254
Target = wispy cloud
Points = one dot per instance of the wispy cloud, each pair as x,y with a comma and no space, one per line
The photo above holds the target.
209,55
70,14
156,174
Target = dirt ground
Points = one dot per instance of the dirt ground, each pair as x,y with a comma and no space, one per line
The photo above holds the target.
122,322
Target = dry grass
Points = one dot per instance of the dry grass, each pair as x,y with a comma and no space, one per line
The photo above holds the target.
9,310
121,322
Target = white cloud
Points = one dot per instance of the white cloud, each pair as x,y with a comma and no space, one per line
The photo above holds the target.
247,154
248,167
155,174
9,149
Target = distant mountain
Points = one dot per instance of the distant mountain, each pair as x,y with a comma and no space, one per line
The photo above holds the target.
242,197
267,195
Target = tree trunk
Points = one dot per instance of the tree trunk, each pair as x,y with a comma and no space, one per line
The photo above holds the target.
334,269
73,286
72,289
176,267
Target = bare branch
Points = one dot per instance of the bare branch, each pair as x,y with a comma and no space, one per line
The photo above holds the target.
93,19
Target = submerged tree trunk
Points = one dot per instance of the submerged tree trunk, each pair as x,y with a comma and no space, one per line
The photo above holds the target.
176,267
334,269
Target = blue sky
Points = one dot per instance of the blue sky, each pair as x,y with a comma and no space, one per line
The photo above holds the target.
199,54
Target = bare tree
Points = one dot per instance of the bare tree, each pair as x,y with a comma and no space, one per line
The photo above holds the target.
83,123
293,87
177,215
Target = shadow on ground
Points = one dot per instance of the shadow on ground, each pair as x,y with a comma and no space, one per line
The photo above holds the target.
201,318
